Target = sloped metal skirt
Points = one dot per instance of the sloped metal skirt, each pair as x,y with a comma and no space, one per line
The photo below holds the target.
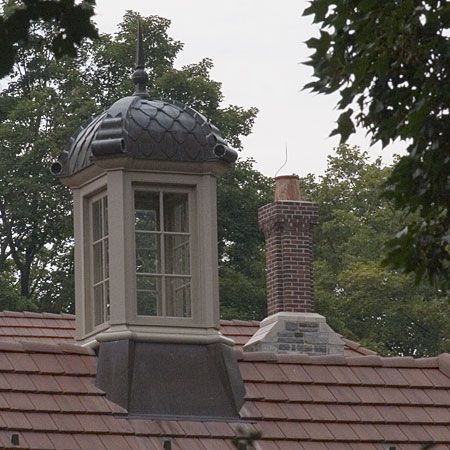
171,380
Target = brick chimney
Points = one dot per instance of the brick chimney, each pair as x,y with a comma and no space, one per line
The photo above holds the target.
292,325
287,224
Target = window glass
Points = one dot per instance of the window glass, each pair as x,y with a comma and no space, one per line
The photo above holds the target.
100,261
178,296
148,254
97,219
177,254
176,216
147,214
149,296
163,277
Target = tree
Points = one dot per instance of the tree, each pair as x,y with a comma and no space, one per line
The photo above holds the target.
381,308
390,63
45,101
241,192
18,18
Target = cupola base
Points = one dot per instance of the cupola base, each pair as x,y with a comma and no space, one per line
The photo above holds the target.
171,380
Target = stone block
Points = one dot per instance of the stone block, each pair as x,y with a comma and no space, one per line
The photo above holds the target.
292,326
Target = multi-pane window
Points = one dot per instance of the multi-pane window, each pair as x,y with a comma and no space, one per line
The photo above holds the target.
163,275
100,260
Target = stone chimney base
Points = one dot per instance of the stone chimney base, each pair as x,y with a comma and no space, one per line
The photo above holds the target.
287,332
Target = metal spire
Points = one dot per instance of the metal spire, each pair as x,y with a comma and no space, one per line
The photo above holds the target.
140,76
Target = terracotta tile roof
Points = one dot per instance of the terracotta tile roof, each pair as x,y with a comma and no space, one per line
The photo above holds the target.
36,327
48,398
58,328
358,401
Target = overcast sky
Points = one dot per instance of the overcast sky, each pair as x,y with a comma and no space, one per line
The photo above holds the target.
257,47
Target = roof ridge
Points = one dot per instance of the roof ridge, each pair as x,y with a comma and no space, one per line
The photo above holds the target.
442,361
37,347
38,315
238,322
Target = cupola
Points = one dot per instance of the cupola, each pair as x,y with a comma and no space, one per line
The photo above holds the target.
143,176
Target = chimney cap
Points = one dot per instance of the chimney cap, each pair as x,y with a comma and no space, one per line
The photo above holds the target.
286,188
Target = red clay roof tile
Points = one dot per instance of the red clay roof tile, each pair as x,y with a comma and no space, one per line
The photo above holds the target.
391,413
344,394
63,441
43,402
145,427
321,374
270,410
296,374
219,429
20,381
22,362
270,430
171,428
344,413
38,440
437,378
250,411
293,430
192,428
295,411
89,442
368,413
439,414
344,375
47,363
15,401
320,412
291,392
392,376
41,421
367,432
321,393
271,372
5,364
369,395
391,433
67,422
393,395
15,420
342,432
249,372
317,431
416,415
70,403
439,433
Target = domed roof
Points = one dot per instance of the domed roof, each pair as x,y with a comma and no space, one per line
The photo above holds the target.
140,127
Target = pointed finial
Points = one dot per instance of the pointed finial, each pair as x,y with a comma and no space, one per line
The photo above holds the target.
140,76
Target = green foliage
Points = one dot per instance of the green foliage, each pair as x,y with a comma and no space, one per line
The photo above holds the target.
390,62
246,439
72,25
241,192
381,308
44,102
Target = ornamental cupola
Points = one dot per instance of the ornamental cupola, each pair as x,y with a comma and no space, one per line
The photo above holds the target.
143,176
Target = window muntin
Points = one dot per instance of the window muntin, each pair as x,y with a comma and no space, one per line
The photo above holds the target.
100,260
162,238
